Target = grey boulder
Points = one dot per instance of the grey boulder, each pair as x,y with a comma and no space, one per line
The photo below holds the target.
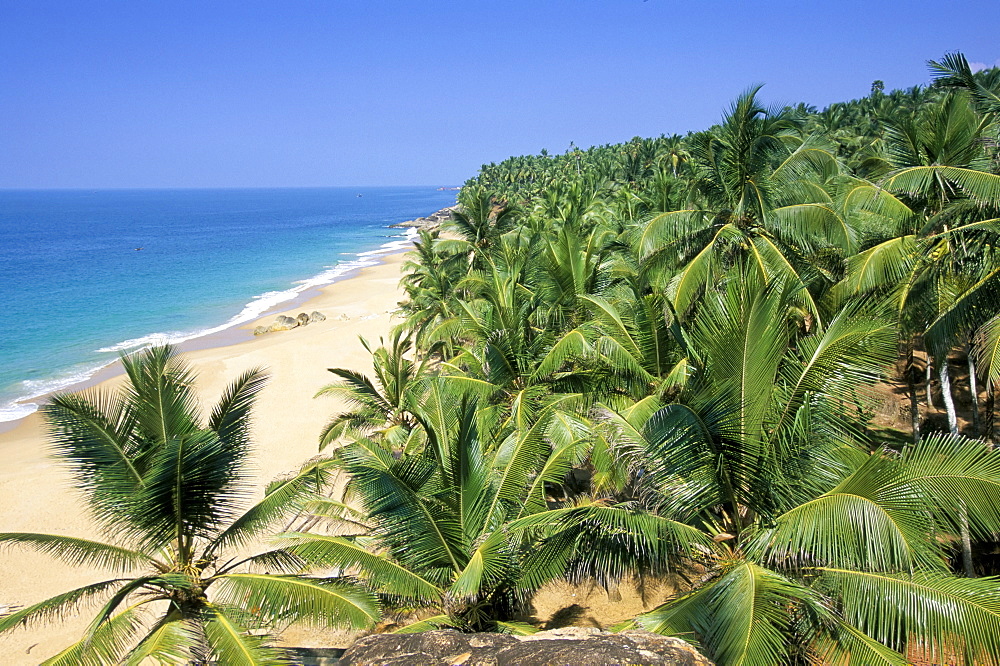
284,323
578,646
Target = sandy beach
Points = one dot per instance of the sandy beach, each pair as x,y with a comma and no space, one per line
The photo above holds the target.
34,491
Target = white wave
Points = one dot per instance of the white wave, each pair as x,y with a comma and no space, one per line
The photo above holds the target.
15,411
144,341
33,389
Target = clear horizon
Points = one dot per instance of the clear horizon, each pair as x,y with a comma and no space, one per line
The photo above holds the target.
117,95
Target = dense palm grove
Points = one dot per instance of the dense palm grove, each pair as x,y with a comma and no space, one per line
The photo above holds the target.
614,362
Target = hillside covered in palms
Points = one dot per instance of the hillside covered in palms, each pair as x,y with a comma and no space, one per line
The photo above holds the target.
665,356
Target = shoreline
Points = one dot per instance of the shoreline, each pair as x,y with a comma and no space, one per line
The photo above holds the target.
234,332
36,493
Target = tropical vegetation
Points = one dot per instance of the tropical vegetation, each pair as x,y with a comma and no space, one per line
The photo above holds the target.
679,354
171,496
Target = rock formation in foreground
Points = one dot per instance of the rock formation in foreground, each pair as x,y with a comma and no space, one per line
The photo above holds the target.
574,646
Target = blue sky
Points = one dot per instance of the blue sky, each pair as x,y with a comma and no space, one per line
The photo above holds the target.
343,92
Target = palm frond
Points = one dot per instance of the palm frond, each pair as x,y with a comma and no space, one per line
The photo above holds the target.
58,606
281,500
189,489
739,618
950,471
987,350
983,187
92,433
809,224
606,543
77,552
933,614
838,643
230,417
880,267
160,390
489,563
229,642
382,573
107,645
321,601
169,643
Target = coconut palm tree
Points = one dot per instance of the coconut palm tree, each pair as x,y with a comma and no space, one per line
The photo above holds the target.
479,221
939,207
465,529
759,195
383,404
826,547
168,493
431,274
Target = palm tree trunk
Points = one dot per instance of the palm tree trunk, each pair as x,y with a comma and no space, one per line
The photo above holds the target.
949,400
930,397
911,391
963,514
963,517
974,389
990,408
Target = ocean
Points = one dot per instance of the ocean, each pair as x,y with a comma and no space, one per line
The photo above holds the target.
85,275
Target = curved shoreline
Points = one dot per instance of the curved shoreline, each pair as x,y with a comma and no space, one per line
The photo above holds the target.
36,492
228,333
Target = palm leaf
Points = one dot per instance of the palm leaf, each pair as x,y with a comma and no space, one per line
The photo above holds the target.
322,601
230,417
427,624
974,306
56,607
879,267
383,574
160,392
949,471
934,614
230,644
189,490
106,646
92,433
489,564
77,552
278,503
806,223
740,618
982,186
987,350
170,642
842,645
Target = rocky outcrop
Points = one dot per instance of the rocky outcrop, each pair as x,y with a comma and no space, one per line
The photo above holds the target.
316,315
578,646
432,221
283,323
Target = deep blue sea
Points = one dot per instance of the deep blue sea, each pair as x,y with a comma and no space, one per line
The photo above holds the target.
76,289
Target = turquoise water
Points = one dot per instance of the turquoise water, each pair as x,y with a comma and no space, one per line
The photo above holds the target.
76,289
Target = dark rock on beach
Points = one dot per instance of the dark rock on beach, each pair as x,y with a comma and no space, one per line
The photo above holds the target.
284,323
573,645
